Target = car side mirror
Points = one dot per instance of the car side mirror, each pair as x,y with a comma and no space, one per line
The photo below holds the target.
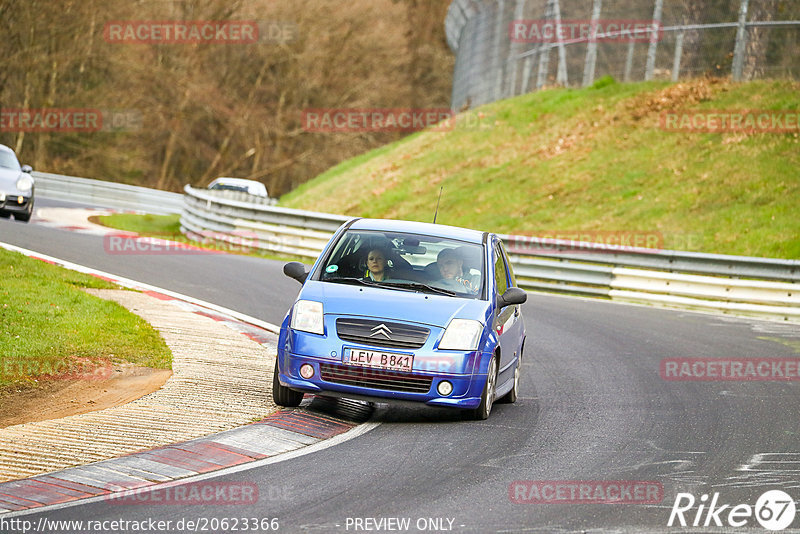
512,297
27,168
296,270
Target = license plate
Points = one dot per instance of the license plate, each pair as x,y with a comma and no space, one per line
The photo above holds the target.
379,360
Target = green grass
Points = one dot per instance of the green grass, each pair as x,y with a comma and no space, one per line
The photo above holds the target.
48,325
147,224
594,159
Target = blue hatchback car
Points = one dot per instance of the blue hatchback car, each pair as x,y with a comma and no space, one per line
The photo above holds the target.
404,311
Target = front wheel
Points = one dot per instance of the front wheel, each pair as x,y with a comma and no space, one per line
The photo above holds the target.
485,407
282,395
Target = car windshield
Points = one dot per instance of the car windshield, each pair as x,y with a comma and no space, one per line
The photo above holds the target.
229,187
8,160
406,262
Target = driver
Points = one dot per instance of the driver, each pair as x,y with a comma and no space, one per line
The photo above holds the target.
376,265
451,267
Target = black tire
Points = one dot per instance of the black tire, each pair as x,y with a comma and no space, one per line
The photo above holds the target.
282,395
487,399
511,396
5,214
24,217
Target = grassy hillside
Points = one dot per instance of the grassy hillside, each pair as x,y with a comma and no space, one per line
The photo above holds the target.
592,159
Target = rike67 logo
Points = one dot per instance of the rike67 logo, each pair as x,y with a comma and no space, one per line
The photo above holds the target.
774,510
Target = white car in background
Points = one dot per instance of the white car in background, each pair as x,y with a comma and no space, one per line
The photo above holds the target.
239,184
16,187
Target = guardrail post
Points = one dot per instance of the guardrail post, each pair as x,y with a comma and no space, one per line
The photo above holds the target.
629,62
676,62
591,48
499,70
544,65
651,50
561,77
741,41
544,54
519,12
470,95
526,74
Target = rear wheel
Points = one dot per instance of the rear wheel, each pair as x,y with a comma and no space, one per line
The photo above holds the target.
282,395
487,399
511,396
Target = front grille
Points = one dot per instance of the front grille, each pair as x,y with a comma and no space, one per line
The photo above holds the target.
381,333
374,378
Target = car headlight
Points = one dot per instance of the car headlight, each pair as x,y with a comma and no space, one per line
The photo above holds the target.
25,183
461,334
307,316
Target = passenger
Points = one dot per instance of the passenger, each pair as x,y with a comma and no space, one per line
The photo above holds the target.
376,266
451,267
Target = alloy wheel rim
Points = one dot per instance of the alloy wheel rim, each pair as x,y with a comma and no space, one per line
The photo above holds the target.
490,389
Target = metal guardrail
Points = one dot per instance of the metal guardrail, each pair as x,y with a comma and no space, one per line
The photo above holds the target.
268,228
739,285
665,260
761,287
107,194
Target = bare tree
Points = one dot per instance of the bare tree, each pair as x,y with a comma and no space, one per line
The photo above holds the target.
757,38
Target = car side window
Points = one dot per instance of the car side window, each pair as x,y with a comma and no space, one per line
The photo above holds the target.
500,276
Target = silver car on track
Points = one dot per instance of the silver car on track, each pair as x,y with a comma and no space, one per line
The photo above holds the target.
16,187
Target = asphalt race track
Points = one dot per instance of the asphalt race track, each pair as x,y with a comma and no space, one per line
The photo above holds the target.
593,407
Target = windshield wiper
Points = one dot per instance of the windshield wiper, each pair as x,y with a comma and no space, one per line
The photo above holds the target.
405,286
419,286
351,279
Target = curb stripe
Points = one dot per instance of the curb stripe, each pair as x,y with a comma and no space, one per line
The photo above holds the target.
152,468
156,294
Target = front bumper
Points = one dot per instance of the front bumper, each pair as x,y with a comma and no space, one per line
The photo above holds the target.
10,203
466,394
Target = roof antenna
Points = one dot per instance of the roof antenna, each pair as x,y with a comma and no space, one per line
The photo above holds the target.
437,205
